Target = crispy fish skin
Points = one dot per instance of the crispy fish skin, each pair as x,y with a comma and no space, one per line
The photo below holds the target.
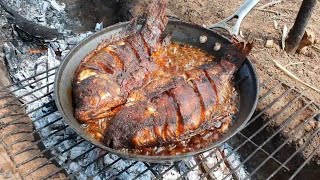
106,77
192,105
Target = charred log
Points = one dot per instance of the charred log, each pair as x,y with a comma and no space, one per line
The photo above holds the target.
29,27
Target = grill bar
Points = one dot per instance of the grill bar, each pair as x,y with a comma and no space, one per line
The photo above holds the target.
72,175
24,105
67,164
270,91
27,79
269,155
283,125
160,175
15,121
43,151
307,160
19,130
38,142
298,128
247,140
297,151
106,168
21,96
24,86
50,159
124,170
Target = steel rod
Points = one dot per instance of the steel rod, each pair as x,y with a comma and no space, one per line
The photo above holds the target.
296,129
287,160
269,155
27,113
37,142
307,160
74,174
253,135
7,135
52,158
124,170
21,96
282,126
26,79
10,92
105,168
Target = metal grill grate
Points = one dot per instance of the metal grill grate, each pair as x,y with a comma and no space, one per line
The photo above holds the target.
280,141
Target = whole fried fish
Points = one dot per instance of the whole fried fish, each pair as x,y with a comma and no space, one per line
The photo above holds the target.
105,78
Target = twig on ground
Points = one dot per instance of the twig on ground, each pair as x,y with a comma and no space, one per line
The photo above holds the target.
269,4
290,74
270,11
291,64
316,47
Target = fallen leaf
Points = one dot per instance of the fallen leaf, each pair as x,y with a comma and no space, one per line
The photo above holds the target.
307,40
284,36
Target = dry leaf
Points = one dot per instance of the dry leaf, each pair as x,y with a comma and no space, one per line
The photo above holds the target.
307,40
284,36
275,24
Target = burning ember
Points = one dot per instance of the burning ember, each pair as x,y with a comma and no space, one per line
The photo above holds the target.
27,57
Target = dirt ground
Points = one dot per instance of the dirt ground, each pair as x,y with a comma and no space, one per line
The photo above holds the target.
258,27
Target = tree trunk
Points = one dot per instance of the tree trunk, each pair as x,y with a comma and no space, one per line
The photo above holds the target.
296,33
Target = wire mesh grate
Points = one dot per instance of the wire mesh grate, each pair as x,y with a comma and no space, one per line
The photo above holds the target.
281,140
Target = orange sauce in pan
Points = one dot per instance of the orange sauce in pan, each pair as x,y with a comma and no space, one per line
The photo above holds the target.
173,59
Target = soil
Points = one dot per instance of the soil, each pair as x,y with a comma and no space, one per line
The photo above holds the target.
258,27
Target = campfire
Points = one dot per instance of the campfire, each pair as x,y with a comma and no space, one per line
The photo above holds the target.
38,63
38,38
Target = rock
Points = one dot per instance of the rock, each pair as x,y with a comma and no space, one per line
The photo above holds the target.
275,24
269,43
308,39
217,46
308,128
317,118
203,39
301,142
7,174
312,124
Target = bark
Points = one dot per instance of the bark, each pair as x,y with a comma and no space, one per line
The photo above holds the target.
297,31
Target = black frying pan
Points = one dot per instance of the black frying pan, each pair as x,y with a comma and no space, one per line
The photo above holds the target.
181,32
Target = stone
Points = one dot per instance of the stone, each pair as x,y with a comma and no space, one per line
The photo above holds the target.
269,43
203,39
217,46
317,117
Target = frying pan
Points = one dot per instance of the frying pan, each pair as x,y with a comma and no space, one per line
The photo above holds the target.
181,32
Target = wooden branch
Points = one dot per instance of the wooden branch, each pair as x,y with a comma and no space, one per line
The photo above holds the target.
290,74
297,31
30,27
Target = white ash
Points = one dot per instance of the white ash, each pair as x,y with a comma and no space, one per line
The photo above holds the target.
47,13
235,162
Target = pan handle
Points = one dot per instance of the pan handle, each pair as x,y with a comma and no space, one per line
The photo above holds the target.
240,14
